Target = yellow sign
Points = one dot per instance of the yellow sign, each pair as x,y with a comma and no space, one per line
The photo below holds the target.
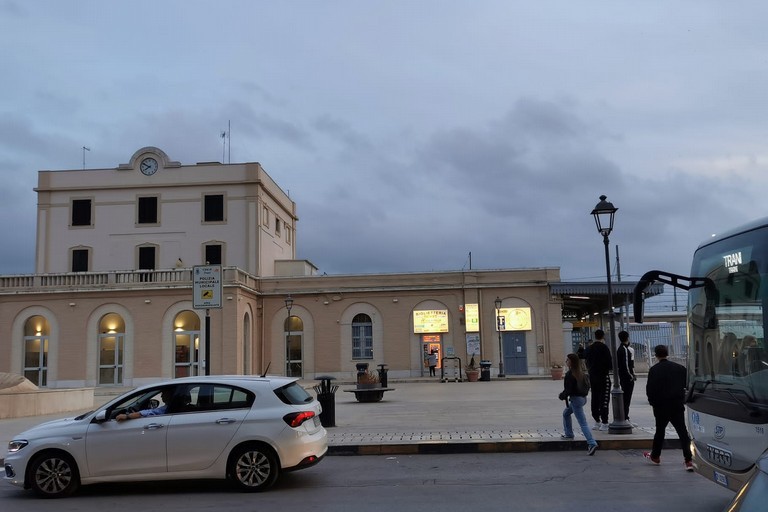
206,294
472,317
430,320
514,319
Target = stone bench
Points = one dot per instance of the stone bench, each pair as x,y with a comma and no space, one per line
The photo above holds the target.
369,394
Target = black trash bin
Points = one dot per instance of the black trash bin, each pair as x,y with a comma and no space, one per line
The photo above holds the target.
362,368
485,370
326,395
383,375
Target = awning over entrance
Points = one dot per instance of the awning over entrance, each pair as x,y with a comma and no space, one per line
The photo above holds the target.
585,299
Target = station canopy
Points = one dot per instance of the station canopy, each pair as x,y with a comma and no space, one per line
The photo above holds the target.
587,299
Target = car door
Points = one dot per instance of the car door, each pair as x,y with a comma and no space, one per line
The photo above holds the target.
130,447
197,438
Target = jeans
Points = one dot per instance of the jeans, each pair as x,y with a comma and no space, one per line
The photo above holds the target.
576,407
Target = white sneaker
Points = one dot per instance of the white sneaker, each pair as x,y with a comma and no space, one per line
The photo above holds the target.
603,427
596,426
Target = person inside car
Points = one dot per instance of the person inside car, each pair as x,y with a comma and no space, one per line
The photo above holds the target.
165,396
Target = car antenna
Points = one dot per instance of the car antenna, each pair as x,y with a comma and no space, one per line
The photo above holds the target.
265,371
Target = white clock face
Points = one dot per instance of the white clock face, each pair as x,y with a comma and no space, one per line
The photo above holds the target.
148,166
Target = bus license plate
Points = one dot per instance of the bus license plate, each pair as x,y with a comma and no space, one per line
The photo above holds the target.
722,458
721,479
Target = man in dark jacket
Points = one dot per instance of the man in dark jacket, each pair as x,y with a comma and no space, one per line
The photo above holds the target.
666,394
625,359
599,364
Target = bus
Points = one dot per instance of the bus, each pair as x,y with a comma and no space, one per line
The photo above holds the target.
727,360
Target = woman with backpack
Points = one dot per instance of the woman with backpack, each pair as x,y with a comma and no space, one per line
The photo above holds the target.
575,391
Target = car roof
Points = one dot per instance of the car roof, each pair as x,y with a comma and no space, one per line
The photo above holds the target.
270,381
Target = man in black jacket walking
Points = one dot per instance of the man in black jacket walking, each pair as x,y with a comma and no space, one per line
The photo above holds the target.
599,364
666,394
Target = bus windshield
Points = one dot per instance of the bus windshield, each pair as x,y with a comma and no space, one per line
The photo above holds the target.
727,346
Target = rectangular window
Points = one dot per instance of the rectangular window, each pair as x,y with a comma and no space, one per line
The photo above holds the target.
288,235
146,262
81,212
265,216
213,208
80,260
213,254
277,226
362,341
147,210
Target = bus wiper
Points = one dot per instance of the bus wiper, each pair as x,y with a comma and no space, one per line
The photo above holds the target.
751,409
706,383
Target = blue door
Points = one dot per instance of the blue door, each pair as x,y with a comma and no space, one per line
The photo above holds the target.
515,354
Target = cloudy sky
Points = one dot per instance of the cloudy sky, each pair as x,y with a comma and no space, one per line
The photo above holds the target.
411,133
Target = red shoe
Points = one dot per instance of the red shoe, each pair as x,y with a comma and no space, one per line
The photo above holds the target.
656,460
688,465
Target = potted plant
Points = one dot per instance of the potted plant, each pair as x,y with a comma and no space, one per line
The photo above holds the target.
367,380
471,370
556,370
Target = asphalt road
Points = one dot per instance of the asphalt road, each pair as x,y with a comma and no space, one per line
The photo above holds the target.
539,481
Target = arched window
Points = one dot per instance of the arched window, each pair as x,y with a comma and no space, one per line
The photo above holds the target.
294,332
36,333
111,348
247,344
186,343
362,337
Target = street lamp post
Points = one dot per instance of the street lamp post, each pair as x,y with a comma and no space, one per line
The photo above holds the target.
603,214
497,302
288,306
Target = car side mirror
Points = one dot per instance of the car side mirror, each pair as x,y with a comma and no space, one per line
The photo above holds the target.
101,416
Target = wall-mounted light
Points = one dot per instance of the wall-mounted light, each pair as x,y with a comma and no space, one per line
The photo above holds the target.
229,297
326,302
394,300
72,304
147,301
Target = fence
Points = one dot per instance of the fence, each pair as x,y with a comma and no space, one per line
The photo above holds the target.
643,337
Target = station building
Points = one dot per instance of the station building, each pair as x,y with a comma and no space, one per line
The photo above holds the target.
111,301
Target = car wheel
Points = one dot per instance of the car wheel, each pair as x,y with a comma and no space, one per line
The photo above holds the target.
253,467
54,475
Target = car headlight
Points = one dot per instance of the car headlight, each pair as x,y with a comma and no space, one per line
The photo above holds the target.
16,445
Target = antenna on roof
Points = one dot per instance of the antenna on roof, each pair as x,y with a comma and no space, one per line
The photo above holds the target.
84,150
226,149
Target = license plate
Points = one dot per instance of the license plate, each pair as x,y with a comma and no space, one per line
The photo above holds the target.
722,458
721,479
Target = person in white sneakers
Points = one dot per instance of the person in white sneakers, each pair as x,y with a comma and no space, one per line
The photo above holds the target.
666,394
625,358
599,364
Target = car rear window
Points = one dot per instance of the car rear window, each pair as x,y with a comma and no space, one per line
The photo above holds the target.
293,394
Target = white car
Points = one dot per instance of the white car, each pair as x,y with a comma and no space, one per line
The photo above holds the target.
247,429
